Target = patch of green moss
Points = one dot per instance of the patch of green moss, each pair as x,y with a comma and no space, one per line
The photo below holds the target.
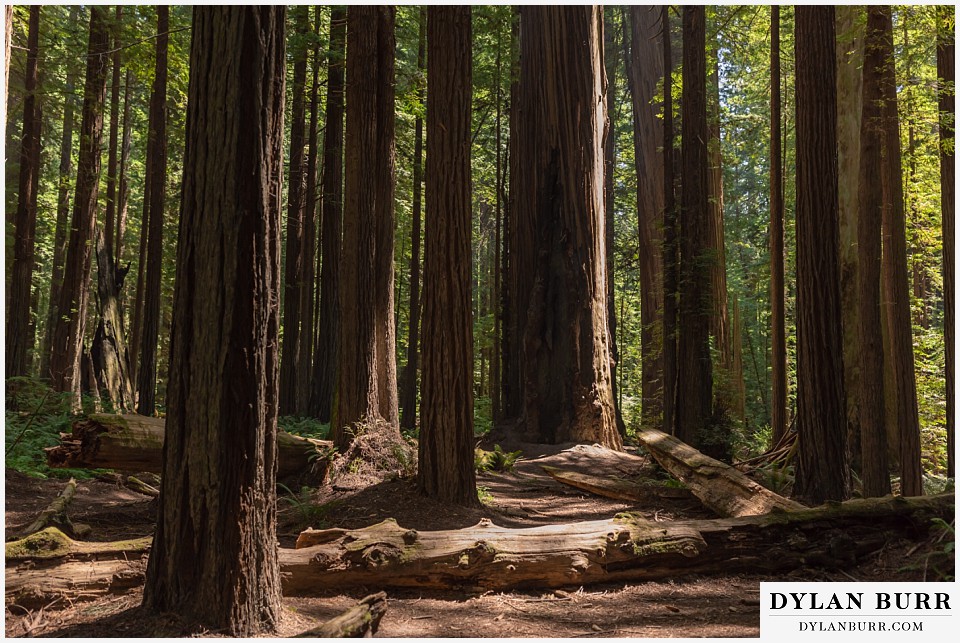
48,543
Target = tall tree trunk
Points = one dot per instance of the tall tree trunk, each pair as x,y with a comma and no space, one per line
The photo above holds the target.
408,381
111,363
671,246
872,433
611,56
147,370
366,294
778,341
694,370
109,217
945,72
294,256
19,337
331,219
124,189
8,32
849,99
445,462
495,361
896,287
309,240
214,556
644,72
68,330
566,361
823,473
63,209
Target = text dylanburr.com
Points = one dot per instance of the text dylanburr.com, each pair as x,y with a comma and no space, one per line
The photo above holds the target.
845,610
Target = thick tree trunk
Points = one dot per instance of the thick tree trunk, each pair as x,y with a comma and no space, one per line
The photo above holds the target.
135,443
68,332
719,486
823,472
945,71
331,220
408,381
671,247
157,149
872,421
896,287
19,332
294,254
694,369
124,187
644,72
445,457
366,385
111,362
778,341
218,483
110,215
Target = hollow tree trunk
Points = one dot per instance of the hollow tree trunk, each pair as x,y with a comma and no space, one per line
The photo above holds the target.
111,362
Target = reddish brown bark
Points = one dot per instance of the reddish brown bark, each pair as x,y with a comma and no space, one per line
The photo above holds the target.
945,71
110,215
778,342
671,247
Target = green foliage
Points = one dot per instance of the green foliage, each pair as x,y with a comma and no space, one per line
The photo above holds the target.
482,416
306,427
306,512
496,460
484,495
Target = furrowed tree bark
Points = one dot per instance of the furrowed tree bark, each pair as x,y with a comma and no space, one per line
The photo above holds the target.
296,206
778,341
823,472
644,72
446,445
111,362
895,279
408,380
135,443
873,433
68,330
331,218
566,366
671,246
157,149
19,330
694,369
124,187
946,74
109,217
218,481
63,210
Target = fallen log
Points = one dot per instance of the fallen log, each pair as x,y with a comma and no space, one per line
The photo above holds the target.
488,557
51,544
360,621
719,486
135,443
55,514
72,581
615,488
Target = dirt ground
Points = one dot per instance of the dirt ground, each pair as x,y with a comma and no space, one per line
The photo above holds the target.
693,606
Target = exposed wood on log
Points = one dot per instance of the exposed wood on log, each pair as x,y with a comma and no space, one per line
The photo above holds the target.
51,544
135,443
719,486
56,513
488,557
360,621
616,488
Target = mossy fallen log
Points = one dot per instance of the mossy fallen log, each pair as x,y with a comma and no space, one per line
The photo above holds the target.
360,621
616,488
55,514
719,486
135,443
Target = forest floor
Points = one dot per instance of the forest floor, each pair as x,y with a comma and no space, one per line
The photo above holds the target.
693,606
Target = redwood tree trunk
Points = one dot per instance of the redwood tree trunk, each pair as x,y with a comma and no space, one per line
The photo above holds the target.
945,71
294,256
644,72
124,187
157,148
445,462
331,220
873,436
69,327
778,341
694,370
19,333
566,364
671,248
109,218
896,285
823,473
214,556
408,381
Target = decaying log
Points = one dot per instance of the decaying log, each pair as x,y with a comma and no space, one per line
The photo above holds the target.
52,545
35,587
360,621
135,443
719,486
134,483
615,488
55,515
488,557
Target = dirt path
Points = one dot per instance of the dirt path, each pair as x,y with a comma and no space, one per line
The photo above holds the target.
724,606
